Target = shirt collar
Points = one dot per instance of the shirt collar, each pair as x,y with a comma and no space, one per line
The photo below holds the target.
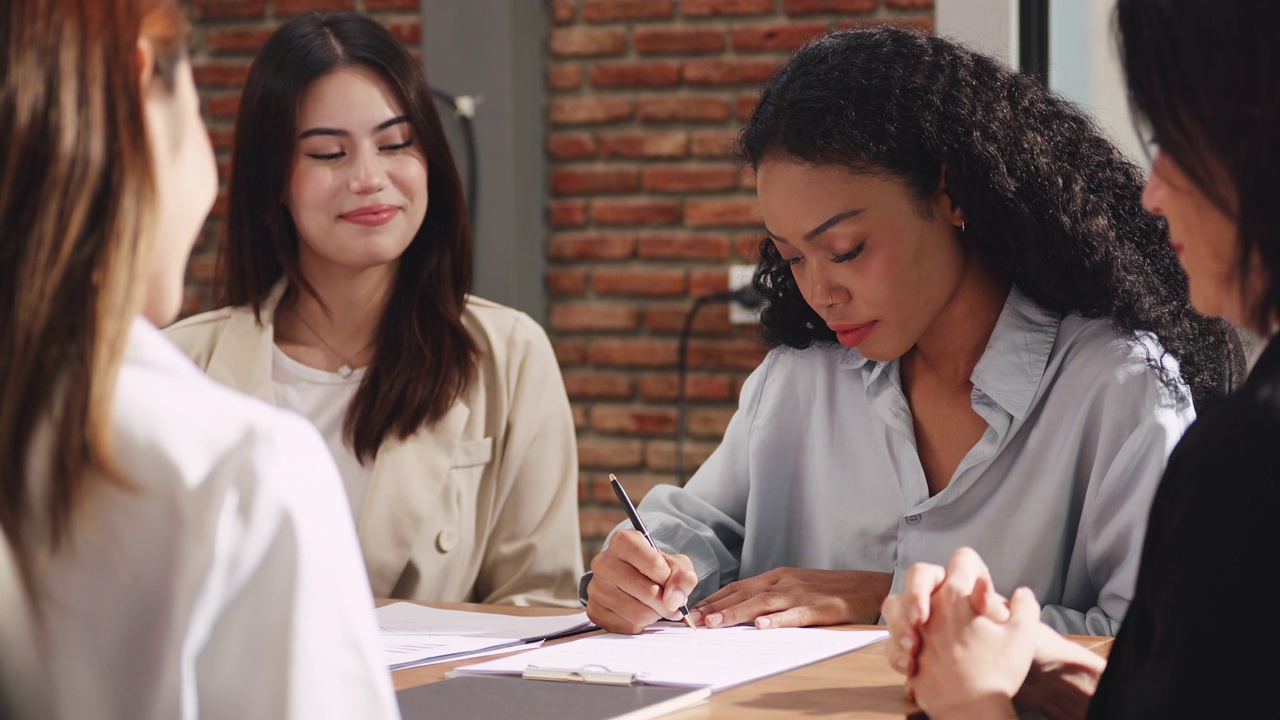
1010,370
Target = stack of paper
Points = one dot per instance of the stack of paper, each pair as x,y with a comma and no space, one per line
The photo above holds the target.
415,635
679,656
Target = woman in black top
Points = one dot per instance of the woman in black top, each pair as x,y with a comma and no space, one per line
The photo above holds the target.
1206,77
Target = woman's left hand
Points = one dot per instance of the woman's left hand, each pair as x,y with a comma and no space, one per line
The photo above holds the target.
796,597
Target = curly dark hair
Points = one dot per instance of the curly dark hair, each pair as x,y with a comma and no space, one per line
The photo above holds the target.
1046,196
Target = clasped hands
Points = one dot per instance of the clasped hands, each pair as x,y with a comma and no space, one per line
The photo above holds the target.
633,586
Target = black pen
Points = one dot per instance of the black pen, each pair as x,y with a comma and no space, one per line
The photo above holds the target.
638,524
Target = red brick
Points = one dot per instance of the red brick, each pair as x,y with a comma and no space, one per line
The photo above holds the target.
218,9
222,105
908,3
589,110
235,40
564,76
747,178
688,179
580,317
776,36
638,281
297,7
409,33
747,245
610,453
707,8
633,420
662,40
682,108
563,12
728,72
737,354
570,146
590,385
635,74
707,422
705,282
744,106
569,352
587,42
593,180
591,246
597,522
697,386
632,352
922,24
661,455
392,5
711,319
202,268
635,212
712,143
814,7
725,211
638,485
220,74
566,281
683,246
672,144
567,213
222,138
598,11
579,417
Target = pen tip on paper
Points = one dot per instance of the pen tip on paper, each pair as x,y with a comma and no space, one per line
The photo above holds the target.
689,621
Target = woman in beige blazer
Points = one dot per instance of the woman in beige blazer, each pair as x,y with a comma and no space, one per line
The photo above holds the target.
349,303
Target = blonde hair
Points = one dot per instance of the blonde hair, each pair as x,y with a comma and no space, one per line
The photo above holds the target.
77,199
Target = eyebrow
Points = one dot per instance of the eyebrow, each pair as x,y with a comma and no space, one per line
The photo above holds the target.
822,227
343,133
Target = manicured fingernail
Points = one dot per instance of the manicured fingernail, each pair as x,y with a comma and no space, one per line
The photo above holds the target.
906,642
900,664
913,614
763,622
695,615
714,619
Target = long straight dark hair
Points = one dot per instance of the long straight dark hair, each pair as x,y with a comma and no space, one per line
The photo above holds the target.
424,359
1203,75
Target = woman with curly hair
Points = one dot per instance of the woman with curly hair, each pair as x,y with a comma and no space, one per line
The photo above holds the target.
980,339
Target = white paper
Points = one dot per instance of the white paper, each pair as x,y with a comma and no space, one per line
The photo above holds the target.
406,650
409,617
680,656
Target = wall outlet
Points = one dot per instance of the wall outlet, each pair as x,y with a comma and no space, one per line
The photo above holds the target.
739,314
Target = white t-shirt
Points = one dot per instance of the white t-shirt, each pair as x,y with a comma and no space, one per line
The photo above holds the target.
323,398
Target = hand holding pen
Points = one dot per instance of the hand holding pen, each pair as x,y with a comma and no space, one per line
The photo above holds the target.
633,584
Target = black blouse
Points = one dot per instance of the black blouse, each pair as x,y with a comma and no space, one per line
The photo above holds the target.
1202,636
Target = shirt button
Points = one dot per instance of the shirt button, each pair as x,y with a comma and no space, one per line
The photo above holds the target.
913,519
447,539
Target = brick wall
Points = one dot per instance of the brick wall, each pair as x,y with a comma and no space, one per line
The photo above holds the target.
646,209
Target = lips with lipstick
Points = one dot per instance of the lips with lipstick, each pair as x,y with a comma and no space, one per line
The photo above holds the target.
850,334
371,215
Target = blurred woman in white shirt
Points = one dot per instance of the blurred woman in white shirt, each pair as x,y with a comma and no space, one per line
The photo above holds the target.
172,549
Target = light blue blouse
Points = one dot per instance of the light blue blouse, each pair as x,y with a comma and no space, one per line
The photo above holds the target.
819,469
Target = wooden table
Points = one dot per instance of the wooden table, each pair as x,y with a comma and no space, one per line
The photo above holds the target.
859,684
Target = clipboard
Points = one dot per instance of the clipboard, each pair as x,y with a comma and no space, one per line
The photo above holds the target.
500,698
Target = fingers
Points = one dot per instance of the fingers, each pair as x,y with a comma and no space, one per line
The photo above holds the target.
918,586
903,637
627,591
988,603
739,607
964,570
1023,608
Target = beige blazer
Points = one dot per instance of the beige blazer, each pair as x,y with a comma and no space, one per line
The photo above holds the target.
480,507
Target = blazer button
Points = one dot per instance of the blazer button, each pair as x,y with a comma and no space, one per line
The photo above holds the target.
447,539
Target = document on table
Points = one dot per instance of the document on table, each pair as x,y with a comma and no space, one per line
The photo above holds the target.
417,635
679,656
